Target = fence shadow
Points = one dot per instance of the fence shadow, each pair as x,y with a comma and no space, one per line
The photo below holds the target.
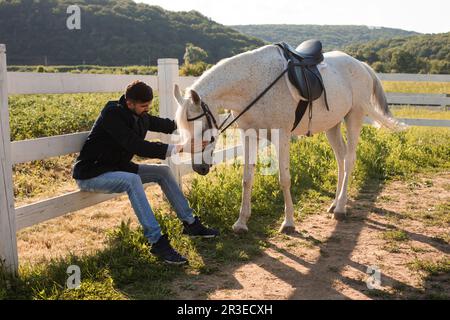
136,275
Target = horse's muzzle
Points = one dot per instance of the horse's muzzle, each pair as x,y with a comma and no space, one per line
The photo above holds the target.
201,169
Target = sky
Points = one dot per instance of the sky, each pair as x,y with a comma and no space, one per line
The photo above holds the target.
425,16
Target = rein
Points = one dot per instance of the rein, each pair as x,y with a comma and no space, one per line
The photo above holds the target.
210,117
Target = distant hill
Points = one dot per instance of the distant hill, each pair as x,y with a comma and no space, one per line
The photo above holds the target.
428,53
385,49
332,37
113,32
124,33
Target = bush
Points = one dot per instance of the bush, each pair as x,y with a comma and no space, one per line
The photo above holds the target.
194,70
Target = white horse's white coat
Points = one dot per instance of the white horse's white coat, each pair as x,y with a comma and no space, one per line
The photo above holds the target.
353,91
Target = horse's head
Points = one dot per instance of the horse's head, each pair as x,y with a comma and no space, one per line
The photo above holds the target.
196,124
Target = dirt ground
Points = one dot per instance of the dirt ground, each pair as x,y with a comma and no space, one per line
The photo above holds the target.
388,227
329,259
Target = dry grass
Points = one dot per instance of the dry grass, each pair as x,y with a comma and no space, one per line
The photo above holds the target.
416,87
420,113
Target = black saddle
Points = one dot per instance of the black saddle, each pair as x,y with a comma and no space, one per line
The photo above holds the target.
308,52
304,75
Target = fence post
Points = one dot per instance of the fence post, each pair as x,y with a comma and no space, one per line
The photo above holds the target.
168,76
8,240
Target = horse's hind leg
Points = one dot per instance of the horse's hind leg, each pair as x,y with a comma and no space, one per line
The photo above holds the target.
250,153
334,136
288,225
354,121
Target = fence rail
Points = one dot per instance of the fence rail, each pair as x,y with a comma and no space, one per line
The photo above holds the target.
13,219
41,211
414,77
36,83
441,100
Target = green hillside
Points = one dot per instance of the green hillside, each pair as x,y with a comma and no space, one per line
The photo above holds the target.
418,54
385,49
113,32
333,37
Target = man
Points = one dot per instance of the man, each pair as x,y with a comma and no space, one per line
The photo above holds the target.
104,165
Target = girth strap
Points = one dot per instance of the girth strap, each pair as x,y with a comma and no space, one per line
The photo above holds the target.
300,112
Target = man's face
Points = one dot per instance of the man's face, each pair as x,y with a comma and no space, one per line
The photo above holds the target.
138,107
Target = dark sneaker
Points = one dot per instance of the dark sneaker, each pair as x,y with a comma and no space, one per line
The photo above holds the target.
163,250
197,229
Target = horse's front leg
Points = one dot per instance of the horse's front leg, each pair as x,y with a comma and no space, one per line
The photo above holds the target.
250,155
283,148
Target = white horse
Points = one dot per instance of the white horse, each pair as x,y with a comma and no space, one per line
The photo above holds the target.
353,91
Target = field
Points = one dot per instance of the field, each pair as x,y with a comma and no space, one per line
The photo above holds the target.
398,209
416,87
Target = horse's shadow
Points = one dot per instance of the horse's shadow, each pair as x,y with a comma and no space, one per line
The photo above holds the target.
319,282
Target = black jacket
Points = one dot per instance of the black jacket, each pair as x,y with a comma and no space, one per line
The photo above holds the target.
117,135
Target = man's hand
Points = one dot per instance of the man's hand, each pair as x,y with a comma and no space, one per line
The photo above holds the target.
191,147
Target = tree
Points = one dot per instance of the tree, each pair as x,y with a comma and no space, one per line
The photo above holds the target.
379,67
403,61
194,54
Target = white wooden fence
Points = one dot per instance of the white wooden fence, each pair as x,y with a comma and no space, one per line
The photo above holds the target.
13,219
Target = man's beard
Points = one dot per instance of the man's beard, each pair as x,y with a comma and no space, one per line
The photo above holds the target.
139,115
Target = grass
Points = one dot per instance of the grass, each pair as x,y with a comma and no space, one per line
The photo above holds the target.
126,270
437,215
420,113
41,178
431,268
43,115
395,235
416,87
434,275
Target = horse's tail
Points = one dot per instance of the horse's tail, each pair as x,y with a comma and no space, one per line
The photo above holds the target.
378,109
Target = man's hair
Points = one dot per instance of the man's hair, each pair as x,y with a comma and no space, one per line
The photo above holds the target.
139,91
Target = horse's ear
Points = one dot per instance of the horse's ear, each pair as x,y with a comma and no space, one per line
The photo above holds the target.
177,95
195,97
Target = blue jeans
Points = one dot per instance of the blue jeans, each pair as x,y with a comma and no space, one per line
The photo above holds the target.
133,185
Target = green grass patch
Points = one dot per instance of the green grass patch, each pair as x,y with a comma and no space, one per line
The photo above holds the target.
35,116
126,269
395,235
44,115
431,268
434,216
420,113
416,87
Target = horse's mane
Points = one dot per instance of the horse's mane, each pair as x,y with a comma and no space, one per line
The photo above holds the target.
181,113
204,84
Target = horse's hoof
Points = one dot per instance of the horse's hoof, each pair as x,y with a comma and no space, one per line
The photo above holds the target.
331,208
240,229
340,216
287,229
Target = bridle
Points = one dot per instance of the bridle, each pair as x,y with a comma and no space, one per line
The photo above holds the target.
211,120
209,116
